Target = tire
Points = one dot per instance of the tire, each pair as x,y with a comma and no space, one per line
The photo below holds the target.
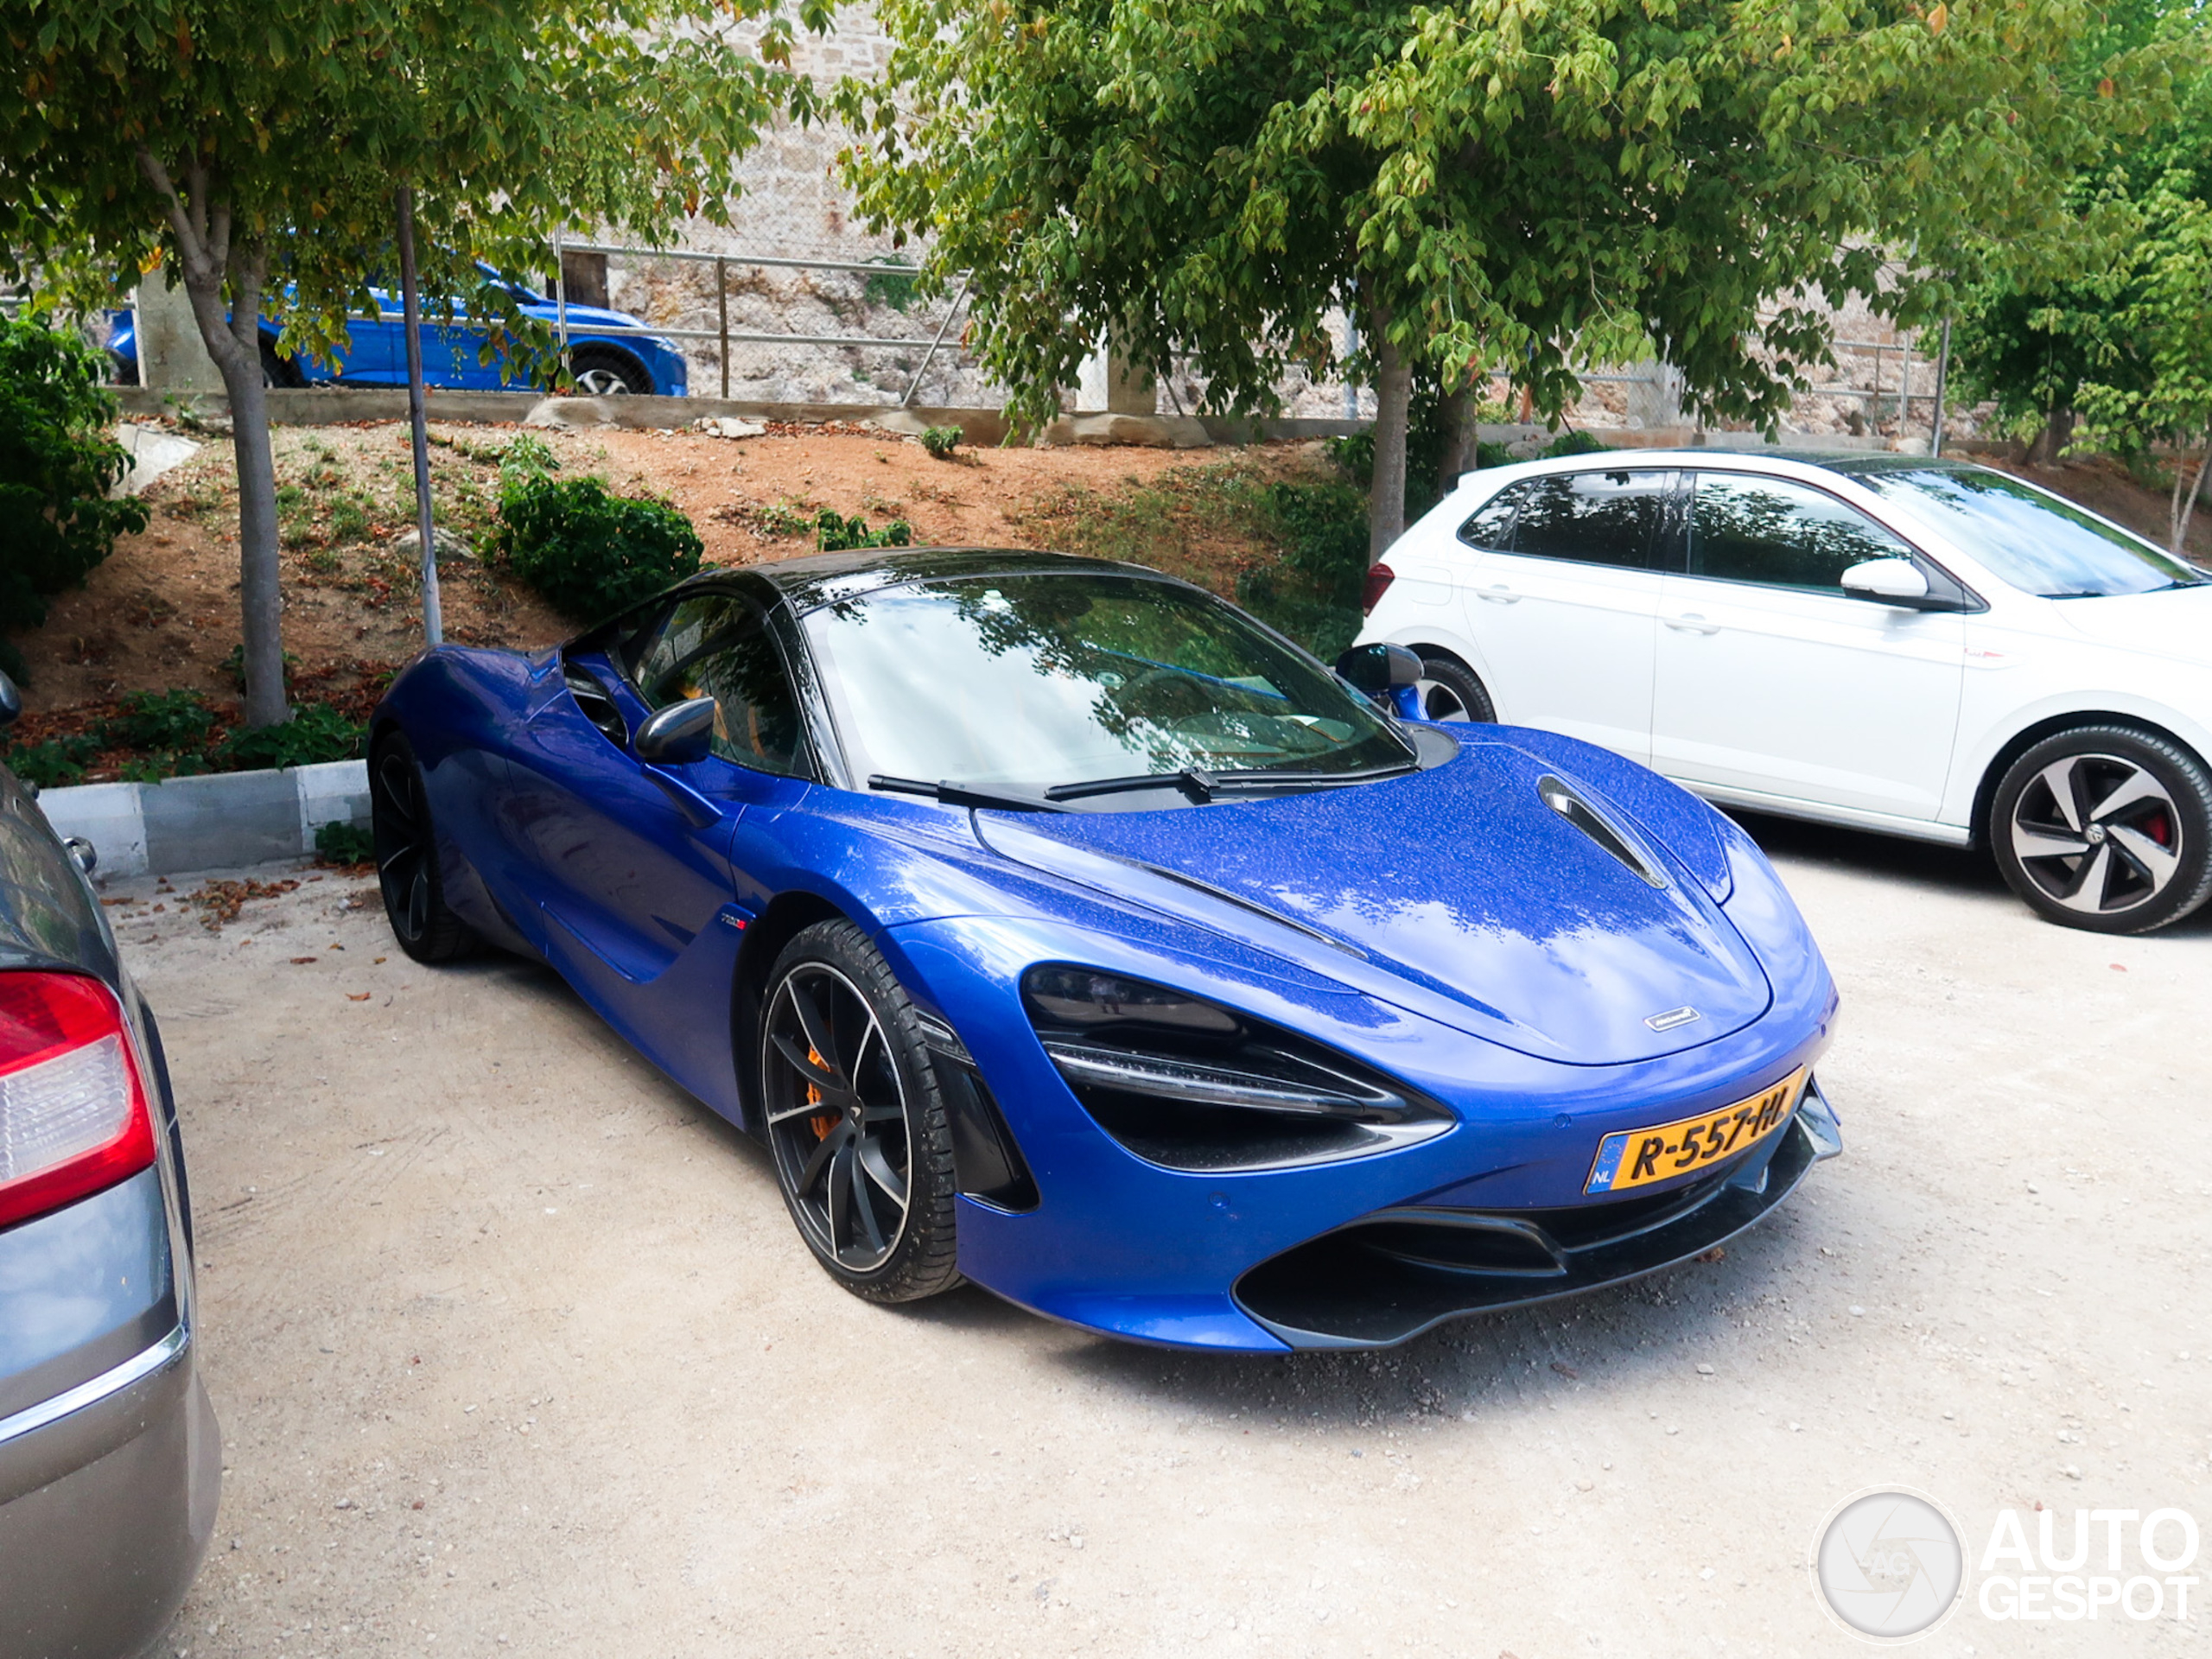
1449,691
856,1128
2106,828
603,373
407,859
276,371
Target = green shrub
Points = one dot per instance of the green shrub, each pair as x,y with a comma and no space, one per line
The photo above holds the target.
343,843
159,720
1573,443
234,666
834,535
592,554
163,763
1313,594
55,764
942,441
57,461
525,461
894,286
315,733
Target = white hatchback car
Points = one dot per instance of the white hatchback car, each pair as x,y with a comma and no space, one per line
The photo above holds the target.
1923,647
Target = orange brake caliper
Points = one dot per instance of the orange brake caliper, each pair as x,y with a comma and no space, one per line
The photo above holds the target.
823,1123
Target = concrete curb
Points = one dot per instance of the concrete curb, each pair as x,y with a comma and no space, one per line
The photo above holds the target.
225,819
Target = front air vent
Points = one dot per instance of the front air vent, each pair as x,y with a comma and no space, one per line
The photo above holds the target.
1560,796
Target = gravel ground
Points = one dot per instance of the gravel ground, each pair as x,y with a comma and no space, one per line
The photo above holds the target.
515,1350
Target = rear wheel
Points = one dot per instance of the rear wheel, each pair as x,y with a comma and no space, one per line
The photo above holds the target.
407,858
856,1128
1449,691
277,372
2106,828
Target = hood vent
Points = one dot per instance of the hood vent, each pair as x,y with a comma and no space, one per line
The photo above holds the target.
1561,798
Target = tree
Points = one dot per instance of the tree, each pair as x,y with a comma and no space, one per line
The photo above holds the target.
1487,186
2047,341
248,149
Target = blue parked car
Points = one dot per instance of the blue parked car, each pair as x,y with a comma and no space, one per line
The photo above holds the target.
1058,926
376,355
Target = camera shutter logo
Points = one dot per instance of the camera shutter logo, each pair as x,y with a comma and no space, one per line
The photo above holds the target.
1888,1564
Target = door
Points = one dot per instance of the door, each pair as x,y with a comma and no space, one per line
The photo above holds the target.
633,859
1770,679
1562,600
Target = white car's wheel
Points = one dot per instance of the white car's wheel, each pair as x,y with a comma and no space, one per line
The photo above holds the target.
2106,828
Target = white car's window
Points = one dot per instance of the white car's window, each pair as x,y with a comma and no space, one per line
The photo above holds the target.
2036,542
1780,535
1611,517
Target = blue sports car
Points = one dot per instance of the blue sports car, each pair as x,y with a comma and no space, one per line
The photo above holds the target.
1060,927
602,364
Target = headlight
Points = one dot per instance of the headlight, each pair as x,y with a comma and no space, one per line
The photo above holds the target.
1182,1083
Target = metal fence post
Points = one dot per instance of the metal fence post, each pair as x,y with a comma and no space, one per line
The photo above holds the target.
561,301
721,319
951,311
1904,390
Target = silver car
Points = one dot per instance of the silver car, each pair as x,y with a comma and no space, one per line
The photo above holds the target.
110,1458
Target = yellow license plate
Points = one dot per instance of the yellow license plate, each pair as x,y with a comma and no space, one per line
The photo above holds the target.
1637,1158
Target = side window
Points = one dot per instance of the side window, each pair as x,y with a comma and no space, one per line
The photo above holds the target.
1780,534
1597,517
717,646
1492,524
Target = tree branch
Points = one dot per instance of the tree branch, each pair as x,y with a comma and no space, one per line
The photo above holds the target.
188,242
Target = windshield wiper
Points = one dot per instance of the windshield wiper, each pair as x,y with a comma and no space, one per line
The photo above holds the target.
1203,785
954,794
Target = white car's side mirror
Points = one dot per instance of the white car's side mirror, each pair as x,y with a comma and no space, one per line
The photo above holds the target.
1886,581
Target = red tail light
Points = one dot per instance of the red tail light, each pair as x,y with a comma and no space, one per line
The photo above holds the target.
73,1109
1379,578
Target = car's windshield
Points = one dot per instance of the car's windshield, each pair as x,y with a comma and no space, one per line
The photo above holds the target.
1047,678
2036,542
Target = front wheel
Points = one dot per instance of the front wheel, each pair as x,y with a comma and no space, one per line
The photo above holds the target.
609,374
2106,828
1449,691
857,1129
407,858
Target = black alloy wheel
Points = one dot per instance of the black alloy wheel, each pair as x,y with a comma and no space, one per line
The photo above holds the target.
1449,691
407,858
856,1125
2106,828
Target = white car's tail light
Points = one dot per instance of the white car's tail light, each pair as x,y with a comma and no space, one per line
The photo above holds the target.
1379,578
73,1117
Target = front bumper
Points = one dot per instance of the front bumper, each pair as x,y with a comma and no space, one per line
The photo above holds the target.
1397,1272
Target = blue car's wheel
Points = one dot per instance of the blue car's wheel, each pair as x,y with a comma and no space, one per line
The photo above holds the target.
407,858
855,1124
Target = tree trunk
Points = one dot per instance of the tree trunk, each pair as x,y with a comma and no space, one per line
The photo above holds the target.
1394,388
230,323
2050,442
2183,508
1460,438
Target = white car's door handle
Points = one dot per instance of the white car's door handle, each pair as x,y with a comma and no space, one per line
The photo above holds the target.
1691,622
1498,593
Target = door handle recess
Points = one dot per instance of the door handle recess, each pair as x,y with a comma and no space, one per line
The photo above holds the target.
1691,622
1498,593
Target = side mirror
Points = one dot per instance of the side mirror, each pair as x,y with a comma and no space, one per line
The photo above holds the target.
1376,669
683,731
1886,581
11,701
